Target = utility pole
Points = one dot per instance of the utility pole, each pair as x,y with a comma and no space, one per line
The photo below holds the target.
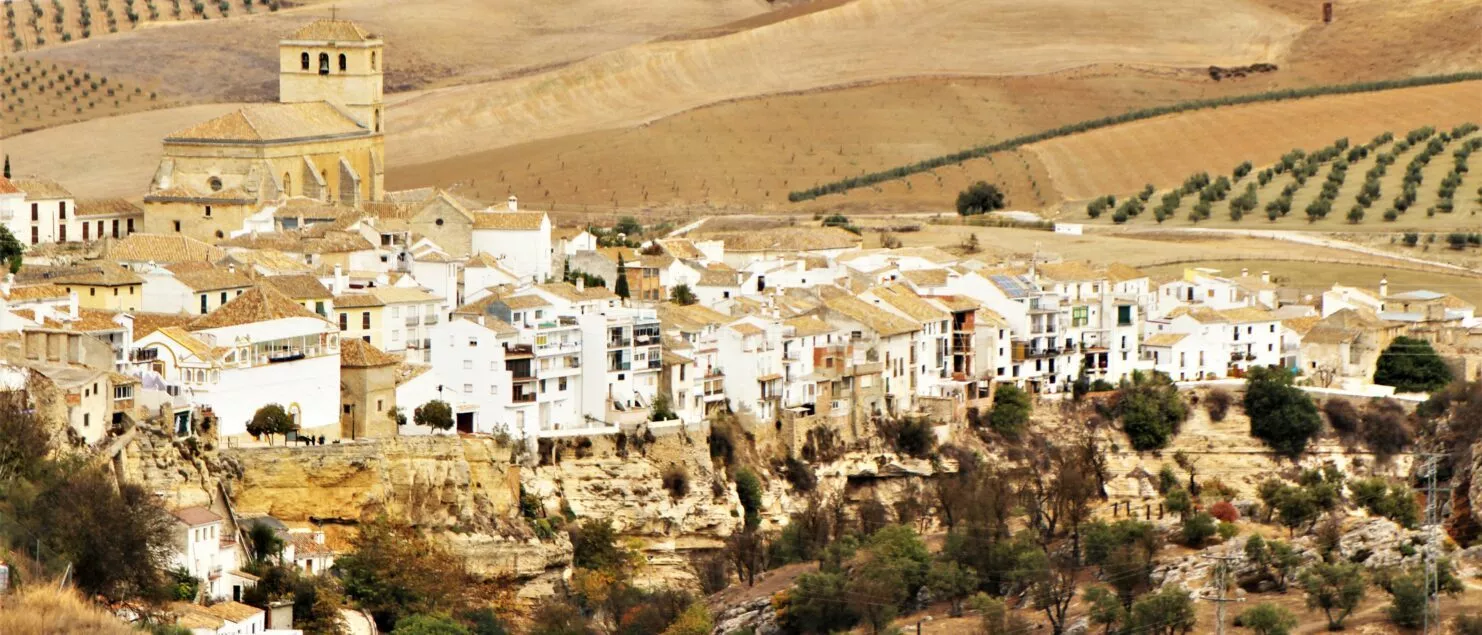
1222,583
1429,556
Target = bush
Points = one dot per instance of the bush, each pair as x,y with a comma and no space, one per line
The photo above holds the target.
1224,511
677,480
1386,429
594,546
1150,409
435,414
1217,403
1342,416
1227,531
1011,408
1281,415
749,490
1197,530
1411,365
910,435
1267,619
799,474
979,198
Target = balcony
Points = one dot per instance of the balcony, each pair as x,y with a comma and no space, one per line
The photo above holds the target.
430,319
620,343
520,396
413,320
619,366
655,363
518,350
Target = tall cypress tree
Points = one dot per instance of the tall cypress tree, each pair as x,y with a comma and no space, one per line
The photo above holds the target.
7,166
621,287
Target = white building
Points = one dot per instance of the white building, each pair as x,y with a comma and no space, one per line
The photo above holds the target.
1239,338
519,241
259,348
191,289
48,215
883,337
209,554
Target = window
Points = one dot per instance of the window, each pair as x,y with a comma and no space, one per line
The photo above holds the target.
343,65
35,235
303,61
1078,316
324,63
473,341
344,322
467,364
347,408
214,183
62,209
373,60
319,307
86,419
85,226
379,405
177,226
1124,315
62,233
493,390
208,211
223,297
1273,328
561,384
395,335
365,320
203,304
493,366
35,212
396,311
468,389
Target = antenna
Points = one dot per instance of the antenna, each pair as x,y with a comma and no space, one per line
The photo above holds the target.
1429,557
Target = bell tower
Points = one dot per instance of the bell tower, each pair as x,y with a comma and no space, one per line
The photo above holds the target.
334,61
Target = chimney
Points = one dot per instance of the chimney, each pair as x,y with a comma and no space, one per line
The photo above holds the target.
337,286
71,304
514,203
1244,272
1266,277
581,284
232,267
1384,287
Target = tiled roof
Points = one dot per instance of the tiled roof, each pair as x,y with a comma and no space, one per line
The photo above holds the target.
212,279
1329,335
357,301
690,318
355,353
1247,314
298,287
527,301
234,611
402,295
746,329
407,372
107,207
715,278
92,274
149,322
273,122
305,545
1118,272
568,292
6,187
1164,339
902,300
926,277
40,189
681,248
35,292
196,516
160,248
791,239
331,31
560,233
258,304
1073,271
312,240
876,319
88,321
482,260
190,342
1301,325
808,325
522,221
271,260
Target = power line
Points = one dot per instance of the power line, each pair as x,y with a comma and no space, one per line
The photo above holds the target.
1430,554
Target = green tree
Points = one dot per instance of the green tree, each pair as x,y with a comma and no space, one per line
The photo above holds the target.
555,617
1197,530
628,226
1411,365
270,420
429,625
594,546
1334,588
1166,612
393,571
1268,619
817,603
117,537
1178,502
621,288
1106,609
1407,592
749,490
997,618
979,198
695,620
435,414
1150,409
682,295
953,582
1281,414
1011,408
263,543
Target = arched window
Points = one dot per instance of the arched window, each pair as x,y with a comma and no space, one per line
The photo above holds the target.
342,62
324,63
378,120
373,60
303,60
287,185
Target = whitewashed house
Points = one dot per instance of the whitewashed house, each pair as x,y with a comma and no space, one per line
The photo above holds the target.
518,241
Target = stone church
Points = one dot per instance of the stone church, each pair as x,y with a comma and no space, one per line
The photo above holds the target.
323,140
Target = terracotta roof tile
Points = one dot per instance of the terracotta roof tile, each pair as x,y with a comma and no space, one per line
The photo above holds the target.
258,304
6,187
357,301
1164,339
148,322
331,31
36,292
92,274
107,207
273,122
196,516
522,221
298,287
40,189
159,248
876,319
808,325
792,239
355,353
212,279
234,611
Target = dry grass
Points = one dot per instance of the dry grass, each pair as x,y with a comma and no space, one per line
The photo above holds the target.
42,610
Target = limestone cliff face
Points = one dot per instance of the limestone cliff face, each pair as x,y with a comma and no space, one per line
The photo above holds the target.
184,473
466,484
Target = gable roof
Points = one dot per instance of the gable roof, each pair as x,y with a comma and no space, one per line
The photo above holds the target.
357,301
6,187
258,304
196,516
106,207
568,292
791,239
511,221
40,189
101,273
1164,339
160,248
146,322
1118,272
273,122
357,353
211,278
36,292
876,319
808,325
902,300
1073,271
298,286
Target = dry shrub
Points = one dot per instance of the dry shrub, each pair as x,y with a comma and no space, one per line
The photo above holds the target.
1224,511
41,608
677,480
1217,403
711,571
1342,416
1386,429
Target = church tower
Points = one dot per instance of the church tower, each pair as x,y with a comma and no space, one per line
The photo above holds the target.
334,61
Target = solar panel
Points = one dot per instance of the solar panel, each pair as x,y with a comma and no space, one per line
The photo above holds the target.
1013,286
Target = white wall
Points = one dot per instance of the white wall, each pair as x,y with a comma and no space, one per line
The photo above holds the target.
525,253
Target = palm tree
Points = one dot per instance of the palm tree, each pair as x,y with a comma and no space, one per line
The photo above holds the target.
263,543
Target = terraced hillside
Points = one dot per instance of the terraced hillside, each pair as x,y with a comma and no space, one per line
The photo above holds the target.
37,95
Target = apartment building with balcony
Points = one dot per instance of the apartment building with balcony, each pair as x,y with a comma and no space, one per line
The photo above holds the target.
1238,338
259,348
632,358
393,319
750,354
469,356
877,335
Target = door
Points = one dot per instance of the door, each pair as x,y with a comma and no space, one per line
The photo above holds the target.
465,422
